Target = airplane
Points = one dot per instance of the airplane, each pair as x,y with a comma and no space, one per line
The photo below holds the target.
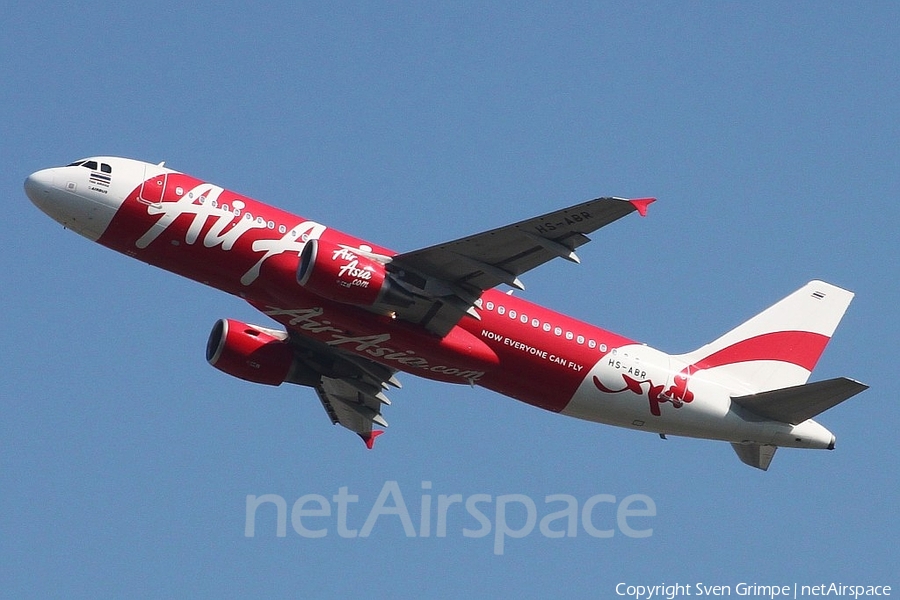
353,314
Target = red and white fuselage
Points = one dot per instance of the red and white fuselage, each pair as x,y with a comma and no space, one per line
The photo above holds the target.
514,347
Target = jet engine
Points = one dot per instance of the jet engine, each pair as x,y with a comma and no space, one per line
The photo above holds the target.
343,274
256,354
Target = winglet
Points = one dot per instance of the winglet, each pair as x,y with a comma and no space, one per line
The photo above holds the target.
370,438
641,204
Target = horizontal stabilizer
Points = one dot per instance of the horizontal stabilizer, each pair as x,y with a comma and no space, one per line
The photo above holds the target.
755,455
801,402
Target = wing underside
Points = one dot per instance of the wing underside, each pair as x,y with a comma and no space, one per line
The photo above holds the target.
350,388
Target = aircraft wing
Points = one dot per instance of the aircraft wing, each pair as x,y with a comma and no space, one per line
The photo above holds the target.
447,280
347,405
350,388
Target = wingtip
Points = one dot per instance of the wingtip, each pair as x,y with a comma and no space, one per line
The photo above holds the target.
641,204
369,439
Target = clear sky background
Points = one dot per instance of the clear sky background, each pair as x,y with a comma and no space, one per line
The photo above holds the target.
768,131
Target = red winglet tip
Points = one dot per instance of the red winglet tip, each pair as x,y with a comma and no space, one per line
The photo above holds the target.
641,205
370,439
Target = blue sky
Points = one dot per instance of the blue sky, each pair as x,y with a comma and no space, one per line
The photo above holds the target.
768,131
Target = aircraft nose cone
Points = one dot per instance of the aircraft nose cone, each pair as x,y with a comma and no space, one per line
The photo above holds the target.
64,194
38,186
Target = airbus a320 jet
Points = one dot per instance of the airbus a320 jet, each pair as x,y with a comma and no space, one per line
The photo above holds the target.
353,314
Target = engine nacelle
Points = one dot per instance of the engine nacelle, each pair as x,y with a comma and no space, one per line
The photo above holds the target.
341,274
254,353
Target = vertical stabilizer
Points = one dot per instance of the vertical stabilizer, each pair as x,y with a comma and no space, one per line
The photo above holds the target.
755,455
780,346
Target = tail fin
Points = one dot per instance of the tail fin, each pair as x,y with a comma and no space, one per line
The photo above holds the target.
755,455
779,347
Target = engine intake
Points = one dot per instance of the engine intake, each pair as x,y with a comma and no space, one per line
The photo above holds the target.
256,354
342,274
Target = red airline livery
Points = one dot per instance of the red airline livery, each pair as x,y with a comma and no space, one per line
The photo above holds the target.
354,314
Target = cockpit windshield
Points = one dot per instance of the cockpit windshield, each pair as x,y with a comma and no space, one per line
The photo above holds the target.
92,165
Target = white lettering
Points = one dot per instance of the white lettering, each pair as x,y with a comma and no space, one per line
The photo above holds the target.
624,511
507,523
353,271
287,243
298,512
342,498
501,529
202,203
343,253
570,513
586,520
307,319
253,503
389,489
471,501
